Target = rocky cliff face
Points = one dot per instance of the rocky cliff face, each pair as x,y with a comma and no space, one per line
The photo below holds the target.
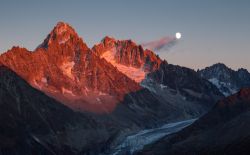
129,58
223,130
225,79
65,68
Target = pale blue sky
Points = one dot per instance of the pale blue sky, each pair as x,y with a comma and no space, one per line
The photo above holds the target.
213,30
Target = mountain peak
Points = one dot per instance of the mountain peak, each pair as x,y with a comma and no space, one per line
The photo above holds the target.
62,33
219,64
220,69
227,80
131,59
62,27
107,39
242,70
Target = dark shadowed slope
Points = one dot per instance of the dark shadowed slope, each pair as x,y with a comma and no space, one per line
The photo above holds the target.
183,88
223,130
32,123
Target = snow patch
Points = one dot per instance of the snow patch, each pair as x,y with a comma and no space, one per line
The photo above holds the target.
215,82
64,39
102,94
36,139
98,100
36,85
137,74
153,86
163,86
149,84
222,85
67,68
68,92
44,80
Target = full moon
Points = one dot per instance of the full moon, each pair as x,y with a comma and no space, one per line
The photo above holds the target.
178,35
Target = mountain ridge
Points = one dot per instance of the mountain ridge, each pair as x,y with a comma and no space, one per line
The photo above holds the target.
129,58
69,71
95,79
227,80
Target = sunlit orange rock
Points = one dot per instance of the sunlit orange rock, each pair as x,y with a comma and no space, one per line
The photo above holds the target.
65,68
129,58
